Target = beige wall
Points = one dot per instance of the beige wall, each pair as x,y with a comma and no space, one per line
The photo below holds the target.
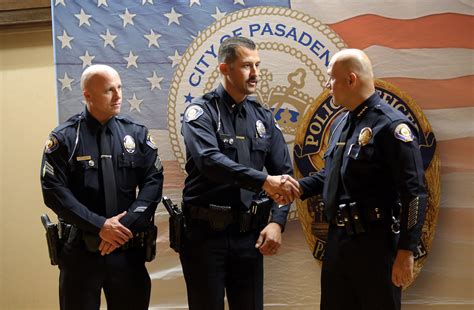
28,113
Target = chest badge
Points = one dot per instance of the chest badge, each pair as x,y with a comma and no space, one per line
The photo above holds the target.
261,131
129,143
364,136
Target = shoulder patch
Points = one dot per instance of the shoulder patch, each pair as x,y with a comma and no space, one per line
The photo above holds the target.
276,124
192,113
150,142
51,144
403,133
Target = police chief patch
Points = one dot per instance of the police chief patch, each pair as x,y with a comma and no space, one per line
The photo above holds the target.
51,144
192,113
403,132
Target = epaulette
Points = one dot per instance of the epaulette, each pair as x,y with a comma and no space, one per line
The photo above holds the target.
209,96
254,100
392,113
70,122
126,119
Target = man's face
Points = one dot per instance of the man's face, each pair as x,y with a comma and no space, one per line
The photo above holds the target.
104,95
243,73
337,83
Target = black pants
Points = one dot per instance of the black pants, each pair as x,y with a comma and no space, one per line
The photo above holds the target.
357,270
214,261
122,275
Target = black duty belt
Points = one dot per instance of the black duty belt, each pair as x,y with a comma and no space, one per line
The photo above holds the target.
355,217
70,233
219,217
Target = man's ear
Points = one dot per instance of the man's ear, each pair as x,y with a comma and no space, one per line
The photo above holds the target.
86,95
223,68
352,79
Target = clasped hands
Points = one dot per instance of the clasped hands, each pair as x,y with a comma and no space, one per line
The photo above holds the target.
113,234
283,189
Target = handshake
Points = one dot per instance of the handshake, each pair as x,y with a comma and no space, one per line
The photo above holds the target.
283,189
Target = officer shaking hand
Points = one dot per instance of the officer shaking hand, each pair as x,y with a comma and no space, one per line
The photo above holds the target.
230,138
373,190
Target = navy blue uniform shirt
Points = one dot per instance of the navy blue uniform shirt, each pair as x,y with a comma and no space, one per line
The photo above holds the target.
70,173
214,175
382,167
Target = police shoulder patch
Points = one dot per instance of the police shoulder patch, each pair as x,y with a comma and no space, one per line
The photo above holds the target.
192,113
51,144
403,133
150,142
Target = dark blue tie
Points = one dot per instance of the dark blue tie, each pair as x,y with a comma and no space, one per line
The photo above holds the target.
335,172
243,150
108,174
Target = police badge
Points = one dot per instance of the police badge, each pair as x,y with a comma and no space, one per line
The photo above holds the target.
261,131
364,136
129,143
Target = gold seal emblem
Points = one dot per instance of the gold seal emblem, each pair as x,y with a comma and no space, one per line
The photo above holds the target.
403,132
51,144
365,135
129,143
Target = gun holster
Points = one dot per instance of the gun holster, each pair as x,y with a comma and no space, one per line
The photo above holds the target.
150,243
52,238
176,230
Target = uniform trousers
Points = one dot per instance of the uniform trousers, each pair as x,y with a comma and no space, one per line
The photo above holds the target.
357,270
227,261
122,275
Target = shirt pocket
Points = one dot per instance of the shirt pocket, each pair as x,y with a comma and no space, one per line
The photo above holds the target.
260,147
130,169
86,174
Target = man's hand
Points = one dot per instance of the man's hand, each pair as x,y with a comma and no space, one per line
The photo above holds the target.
288,181
402,271
113,234
283,192
269,240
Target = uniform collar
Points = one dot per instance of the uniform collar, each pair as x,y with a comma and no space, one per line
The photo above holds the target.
95,125
360,111
229,102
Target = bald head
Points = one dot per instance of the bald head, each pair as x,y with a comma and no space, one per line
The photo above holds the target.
356,61
95,70
351,78
102,90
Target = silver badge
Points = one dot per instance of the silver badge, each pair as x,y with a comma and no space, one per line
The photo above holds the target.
260,129
129,143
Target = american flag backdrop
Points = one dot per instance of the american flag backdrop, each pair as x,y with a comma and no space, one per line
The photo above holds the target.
424,47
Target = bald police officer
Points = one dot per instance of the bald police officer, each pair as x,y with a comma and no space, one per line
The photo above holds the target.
373,166
92,166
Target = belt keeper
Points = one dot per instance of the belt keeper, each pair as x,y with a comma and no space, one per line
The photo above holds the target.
345,217
356,218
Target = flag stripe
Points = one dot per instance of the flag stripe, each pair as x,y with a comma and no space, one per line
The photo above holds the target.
451,123
456,190
438,94
456,155
423,63
333,11
366,30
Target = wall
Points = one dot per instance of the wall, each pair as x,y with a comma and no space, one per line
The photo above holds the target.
28,113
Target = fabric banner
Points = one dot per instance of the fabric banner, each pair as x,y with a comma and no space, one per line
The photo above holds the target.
166,55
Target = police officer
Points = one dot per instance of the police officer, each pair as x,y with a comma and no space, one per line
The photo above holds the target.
92,166
372,167
229,139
